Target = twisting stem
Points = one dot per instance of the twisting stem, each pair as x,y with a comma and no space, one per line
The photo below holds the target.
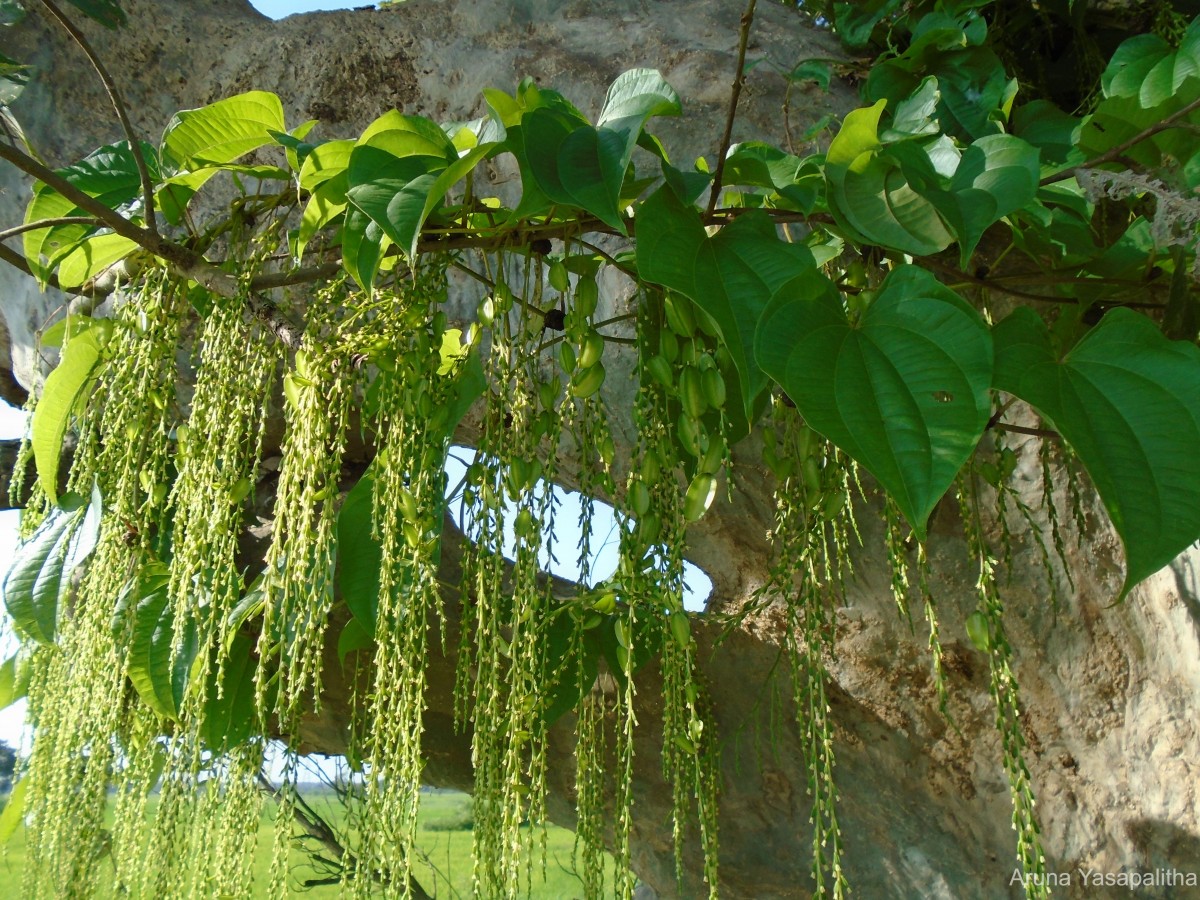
1114,154
739,78
114,95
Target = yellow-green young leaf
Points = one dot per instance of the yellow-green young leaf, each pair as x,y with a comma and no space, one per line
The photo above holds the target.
52,415
220,132
73,326
92,257
10,689
14,811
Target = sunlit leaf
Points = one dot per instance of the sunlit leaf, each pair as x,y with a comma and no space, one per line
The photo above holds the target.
52,416
220,132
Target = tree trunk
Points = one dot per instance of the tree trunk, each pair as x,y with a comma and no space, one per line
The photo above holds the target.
1109,693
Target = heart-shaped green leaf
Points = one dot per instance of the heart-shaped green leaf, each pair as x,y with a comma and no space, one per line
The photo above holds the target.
904,390
731,276
1127,400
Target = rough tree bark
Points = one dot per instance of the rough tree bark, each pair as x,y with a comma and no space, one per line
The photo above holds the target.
1110,693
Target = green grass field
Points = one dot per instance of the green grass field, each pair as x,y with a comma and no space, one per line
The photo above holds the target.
444,842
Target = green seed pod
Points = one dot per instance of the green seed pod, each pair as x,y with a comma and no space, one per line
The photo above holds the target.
681,629
608,450
624,638
504,298
706,323
978,632
566,357
699,497
807,442
660,370
587,381
812,475
439,322
412,535
548,393
639,498
685,745
558,277
691,392
408,505
680,316
714,388
668,345
688,430
486,313
605,603
592,349
651,468
587,295
695,729
524,526
834,503
650,528
146,480
714,456
240,489
592,621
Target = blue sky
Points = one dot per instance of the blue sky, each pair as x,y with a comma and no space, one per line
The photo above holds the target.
277,9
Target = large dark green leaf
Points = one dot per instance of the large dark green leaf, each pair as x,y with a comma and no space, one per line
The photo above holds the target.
359,553
230,718
731,276
904,390
1127,400
159,664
